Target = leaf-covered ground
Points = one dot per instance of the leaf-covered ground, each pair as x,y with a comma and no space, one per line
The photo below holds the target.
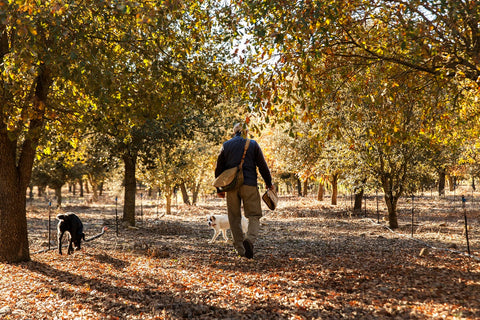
312,261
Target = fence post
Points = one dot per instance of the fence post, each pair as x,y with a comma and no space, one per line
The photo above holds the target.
413,199
49,223
158,196
365,198
116,216
351,201
466,224
454,192
141,207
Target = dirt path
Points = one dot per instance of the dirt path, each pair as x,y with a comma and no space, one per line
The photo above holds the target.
311,262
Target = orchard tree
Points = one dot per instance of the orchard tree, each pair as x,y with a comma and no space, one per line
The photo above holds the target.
59,158
47,53
34,38
94,161
194,163
171,70
295,152
188,160
390,128
52,173
163,172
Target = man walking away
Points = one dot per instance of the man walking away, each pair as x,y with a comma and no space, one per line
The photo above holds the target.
229,157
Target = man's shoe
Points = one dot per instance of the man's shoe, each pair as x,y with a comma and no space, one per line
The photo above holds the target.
248,248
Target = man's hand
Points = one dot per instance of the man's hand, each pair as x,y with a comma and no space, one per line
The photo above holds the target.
221,194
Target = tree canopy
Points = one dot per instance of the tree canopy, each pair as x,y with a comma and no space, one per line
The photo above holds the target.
390,78
390,87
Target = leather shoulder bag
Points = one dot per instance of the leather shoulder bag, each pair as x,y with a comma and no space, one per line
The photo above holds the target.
231,179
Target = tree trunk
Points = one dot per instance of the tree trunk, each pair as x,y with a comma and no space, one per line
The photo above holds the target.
441,182
185,198
452,181
13,215
16,163
305,187
321,191
168,201
359,191
95,188
299,187
30,192
196,188
80,183
58,195
391,202
130,188
40,191
195,193
334,189
357,206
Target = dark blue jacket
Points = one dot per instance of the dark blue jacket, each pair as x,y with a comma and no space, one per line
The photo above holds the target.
231,155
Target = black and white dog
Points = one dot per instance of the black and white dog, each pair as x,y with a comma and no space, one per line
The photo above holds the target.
220,224
69,222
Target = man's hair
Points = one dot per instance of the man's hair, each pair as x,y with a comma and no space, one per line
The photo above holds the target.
238,127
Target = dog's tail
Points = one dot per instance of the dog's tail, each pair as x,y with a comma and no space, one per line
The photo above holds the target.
61,217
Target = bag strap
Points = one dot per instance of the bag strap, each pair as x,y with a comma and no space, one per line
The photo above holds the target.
244,153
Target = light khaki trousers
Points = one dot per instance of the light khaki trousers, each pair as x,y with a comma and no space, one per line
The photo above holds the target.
252,208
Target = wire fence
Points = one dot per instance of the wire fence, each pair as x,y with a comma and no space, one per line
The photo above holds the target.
451,221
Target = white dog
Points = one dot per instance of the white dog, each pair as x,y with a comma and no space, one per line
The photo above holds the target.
220,224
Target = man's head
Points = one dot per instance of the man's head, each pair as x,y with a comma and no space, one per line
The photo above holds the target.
238,127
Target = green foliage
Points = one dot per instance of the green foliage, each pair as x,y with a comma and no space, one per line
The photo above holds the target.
385,84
